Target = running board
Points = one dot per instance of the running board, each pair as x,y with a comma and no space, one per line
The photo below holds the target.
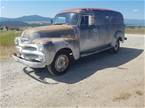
94,52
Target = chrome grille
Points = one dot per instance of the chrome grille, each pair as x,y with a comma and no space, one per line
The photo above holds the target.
29,48
28,51
30,56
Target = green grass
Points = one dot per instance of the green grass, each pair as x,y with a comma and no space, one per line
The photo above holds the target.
7,37
7,47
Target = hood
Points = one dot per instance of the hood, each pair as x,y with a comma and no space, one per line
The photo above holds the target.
52,28
48,31
52,31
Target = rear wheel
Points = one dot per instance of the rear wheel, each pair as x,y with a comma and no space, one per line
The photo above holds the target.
60,64
116,48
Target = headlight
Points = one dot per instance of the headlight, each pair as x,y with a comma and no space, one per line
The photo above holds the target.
16,41
25,40
40,47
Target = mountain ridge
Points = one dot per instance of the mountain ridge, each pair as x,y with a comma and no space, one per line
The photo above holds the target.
26,18
37,19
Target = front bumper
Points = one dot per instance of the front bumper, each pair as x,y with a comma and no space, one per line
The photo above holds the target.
31,64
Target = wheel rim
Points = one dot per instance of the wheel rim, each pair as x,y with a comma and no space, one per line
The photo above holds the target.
61,63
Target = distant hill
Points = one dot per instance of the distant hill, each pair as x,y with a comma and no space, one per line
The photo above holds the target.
28,19
13,23
34,18
134,22
5,19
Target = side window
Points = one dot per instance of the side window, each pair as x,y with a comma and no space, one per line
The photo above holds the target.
115,20
87,21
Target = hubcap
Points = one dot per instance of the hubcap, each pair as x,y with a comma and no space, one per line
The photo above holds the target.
61,63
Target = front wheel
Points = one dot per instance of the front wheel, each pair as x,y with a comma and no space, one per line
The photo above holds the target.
116,48
60,64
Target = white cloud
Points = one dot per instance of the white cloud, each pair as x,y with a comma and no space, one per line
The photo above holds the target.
3,7
135,10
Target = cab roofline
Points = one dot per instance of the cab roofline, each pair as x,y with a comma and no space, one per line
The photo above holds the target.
78,10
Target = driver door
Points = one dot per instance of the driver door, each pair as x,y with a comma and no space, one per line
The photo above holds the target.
89,34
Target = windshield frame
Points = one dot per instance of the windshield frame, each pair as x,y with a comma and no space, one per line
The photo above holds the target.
77,20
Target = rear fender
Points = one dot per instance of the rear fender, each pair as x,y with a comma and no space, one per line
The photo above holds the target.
118,36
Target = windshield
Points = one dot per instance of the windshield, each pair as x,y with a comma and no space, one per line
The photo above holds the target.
66,18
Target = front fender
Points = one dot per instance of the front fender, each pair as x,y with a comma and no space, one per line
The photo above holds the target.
56,46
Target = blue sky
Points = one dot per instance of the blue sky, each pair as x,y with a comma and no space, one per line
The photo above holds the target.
131,9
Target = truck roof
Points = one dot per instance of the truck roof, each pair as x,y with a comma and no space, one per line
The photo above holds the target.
78,10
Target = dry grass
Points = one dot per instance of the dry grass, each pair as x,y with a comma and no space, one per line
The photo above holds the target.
122,96
7,47
7,37
6,51
135,30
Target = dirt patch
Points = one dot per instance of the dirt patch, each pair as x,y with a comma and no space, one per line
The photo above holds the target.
122,96
138,92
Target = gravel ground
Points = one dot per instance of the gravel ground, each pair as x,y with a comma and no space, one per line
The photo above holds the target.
101,80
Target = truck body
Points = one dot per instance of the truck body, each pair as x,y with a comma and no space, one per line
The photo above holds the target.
74,33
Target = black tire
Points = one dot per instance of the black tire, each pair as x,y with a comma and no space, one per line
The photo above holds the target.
52,67
116,48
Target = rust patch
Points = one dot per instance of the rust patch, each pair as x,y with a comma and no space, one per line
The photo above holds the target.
51,28
46,40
